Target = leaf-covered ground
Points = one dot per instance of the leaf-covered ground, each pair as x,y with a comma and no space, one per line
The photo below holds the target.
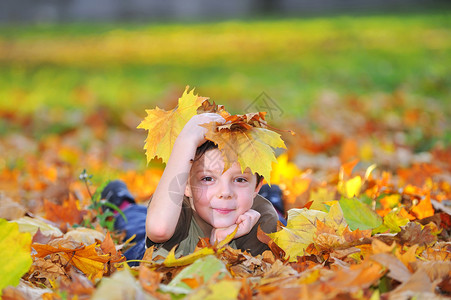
367,176
368,182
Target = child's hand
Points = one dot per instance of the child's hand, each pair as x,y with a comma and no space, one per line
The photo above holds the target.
245,222
194,133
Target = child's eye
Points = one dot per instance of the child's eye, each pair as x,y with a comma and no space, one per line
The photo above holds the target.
241,179
207,178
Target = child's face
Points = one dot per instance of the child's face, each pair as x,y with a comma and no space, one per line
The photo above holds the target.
218,197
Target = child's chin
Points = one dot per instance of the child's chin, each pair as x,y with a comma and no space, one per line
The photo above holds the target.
222,224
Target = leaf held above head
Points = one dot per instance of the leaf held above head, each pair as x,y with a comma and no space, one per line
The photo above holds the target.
245,139
164,126
250,147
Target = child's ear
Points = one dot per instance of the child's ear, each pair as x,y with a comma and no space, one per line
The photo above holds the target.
258,187
188,191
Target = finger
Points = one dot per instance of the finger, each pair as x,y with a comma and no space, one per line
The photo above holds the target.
240,219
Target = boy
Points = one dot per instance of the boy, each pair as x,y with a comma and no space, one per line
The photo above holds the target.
208,201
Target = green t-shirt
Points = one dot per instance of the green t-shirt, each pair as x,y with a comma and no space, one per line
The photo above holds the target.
188,232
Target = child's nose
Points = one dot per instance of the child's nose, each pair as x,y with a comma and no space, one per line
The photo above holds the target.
225,191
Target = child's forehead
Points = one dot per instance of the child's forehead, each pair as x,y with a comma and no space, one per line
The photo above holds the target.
212,160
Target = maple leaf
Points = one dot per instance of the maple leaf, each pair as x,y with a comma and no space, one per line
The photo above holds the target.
414,233
68,213
302,225
207,107
85,258
164,126
249,146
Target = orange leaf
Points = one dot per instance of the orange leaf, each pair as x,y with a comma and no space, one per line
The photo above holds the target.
424,208
108,246
66,213
85,258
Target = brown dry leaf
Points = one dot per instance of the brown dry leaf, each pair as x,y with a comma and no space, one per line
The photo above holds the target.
164,126
279,272
41,238
85,258
412,234
328,240
44,270
207,107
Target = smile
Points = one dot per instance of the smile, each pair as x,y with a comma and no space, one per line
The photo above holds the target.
223,211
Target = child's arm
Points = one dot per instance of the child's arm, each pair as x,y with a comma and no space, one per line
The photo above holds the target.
164,209
245,222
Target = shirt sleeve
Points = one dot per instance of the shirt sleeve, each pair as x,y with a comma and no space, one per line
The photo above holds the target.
268,223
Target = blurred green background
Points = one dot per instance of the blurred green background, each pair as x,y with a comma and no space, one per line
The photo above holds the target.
55,78
136,66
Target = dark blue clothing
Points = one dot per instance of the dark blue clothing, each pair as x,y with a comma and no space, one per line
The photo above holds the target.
135,224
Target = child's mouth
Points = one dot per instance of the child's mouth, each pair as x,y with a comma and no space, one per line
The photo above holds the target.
222,211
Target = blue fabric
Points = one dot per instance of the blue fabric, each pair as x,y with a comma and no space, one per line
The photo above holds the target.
135,224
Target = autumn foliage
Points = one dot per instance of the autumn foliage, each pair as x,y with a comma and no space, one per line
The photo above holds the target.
368,211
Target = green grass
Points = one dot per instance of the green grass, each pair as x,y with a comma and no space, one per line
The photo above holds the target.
129,67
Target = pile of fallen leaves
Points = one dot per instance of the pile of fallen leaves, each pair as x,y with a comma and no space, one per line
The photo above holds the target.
368,210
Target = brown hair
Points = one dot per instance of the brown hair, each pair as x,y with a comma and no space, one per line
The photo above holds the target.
208,145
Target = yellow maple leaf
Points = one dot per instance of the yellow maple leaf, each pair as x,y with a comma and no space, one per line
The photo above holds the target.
164,126
250,147
302,228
